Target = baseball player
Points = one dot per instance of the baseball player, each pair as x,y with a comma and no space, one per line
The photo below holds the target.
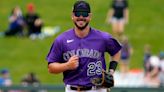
79,53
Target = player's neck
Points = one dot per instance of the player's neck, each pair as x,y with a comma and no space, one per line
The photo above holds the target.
82,33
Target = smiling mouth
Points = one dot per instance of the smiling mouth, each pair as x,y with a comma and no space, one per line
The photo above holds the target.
81,19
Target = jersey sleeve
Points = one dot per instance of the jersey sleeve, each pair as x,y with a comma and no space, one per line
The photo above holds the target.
112,46
55,53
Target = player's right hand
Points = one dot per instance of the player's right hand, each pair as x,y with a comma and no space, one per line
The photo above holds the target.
73,62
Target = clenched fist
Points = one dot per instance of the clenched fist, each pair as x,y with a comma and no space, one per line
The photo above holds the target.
73,62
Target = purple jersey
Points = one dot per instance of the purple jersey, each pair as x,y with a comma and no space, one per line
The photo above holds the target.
91,51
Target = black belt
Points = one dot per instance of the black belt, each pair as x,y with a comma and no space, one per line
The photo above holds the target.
80,88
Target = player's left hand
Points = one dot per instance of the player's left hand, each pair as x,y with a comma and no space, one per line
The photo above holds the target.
106,81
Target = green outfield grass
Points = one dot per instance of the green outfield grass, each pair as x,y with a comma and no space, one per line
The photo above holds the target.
22,55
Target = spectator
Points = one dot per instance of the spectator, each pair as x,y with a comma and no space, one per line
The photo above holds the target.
5,79
152,78
118,16
161,74
16,23
147,55
126,52
34,22
30,80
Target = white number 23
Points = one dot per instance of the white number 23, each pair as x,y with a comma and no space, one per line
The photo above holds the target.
94,68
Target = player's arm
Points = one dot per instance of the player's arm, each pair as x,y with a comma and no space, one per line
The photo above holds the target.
114,48
113,63
56,67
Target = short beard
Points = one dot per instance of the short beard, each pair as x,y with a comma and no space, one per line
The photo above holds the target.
81,28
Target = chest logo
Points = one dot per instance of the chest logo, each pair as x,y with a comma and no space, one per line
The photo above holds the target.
69,41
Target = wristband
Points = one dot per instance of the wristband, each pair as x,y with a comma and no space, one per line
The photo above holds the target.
113,65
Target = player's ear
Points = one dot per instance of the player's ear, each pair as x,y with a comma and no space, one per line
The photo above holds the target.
90,16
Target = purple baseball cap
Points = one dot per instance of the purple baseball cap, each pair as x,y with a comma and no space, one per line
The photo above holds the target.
81,6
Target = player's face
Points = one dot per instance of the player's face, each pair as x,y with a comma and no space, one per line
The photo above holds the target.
81,19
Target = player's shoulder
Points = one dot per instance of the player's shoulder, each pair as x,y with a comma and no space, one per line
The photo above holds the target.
65,34
102,34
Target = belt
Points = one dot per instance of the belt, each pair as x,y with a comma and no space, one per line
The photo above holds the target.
80,88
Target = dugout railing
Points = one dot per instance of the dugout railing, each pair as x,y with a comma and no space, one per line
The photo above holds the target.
60,88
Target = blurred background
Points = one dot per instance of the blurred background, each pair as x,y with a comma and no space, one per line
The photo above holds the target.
21,55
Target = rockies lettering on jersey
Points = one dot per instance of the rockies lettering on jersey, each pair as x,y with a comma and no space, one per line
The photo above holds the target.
82,53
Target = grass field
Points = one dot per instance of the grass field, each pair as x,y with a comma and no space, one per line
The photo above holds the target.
22,55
